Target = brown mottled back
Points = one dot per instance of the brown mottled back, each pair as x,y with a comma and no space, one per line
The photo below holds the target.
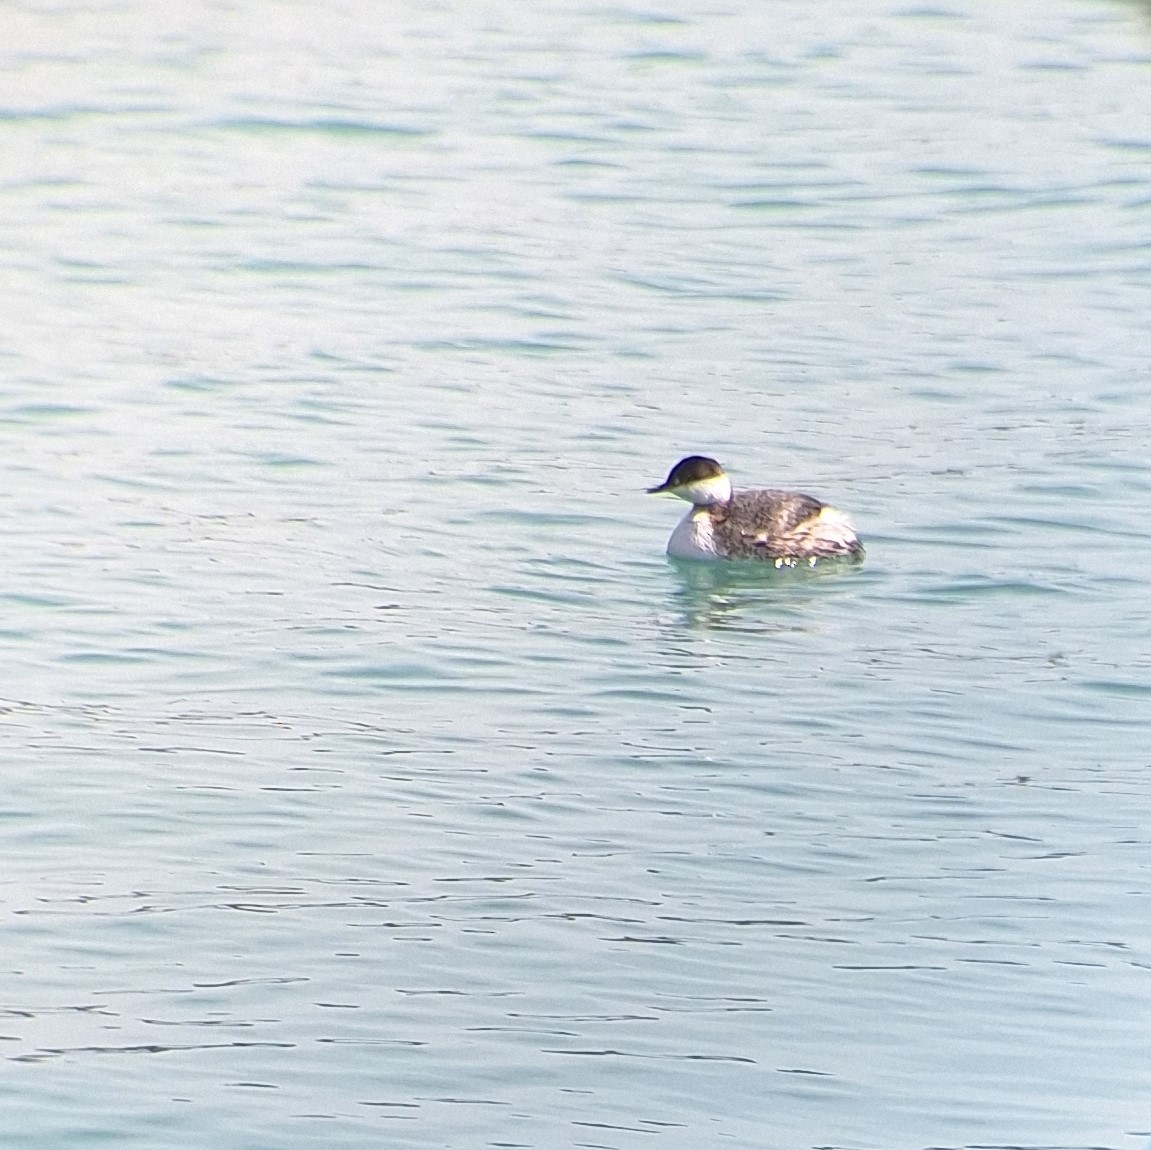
766,524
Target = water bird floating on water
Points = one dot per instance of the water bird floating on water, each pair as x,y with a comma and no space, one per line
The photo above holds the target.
785,528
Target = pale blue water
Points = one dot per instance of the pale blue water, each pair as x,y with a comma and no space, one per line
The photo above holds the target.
370,778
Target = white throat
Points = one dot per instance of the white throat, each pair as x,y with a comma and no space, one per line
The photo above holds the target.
706,492
693,537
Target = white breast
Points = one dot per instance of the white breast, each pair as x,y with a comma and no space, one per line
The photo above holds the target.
693,537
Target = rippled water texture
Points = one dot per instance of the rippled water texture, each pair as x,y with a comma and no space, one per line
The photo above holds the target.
371,778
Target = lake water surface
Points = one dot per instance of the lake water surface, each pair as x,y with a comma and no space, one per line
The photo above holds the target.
371,778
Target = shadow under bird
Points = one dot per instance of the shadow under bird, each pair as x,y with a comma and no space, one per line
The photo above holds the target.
785,528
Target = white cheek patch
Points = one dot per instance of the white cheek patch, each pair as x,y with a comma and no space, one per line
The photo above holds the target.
704,492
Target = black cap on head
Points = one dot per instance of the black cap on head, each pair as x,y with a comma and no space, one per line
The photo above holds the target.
691,469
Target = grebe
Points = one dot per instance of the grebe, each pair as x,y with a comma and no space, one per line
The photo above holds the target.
784,528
